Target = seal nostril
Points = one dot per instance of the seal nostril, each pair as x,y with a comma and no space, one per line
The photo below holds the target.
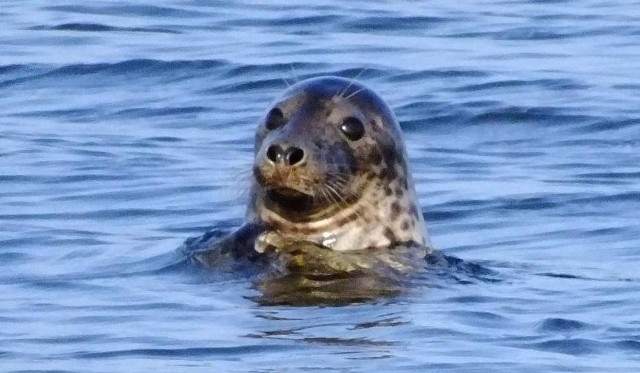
294,155
274,153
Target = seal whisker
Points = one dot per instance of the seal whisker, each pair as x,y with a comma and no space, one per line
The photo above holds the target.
339,200
355,93
364,203
341,186
340,177
351,82
327,196
343,201
238,181
293,71
336,198
244,171
343,178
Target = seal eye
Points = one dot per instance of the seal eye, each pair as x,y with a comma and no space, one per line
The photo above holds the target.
352,128
275,119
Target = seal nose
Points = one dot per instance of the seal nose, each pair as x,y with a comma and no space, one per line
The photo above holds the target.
290,156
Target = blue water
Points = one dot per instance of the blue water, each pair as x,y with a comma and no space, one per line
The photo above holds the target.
126,127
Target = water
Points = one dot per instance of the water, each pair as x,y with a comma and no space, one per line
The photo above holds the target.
126,128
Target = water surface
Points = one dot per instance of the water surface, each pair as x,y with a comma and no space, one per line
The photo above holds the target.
127,127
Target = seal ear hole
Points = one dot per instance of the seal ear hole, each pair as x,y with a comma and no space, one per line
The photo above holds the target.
275,119
353,128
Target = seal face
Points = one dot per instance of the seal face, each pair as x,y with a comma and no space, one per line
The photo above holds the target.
331,168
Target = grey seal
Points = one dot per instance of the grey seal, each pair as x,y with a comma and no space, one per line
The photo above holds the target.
330,173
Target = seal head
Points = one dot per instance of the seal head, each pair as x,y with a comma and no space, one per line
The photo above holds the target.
331,168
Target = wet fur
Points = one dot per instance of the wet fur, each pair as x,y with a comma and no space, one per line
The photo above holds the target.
363,194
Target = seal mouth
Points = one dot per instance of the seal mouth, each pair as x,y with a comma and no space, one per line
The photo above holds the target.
291,199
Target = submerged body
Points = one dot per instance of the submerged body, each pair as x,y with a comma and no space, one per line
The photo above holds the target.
331,189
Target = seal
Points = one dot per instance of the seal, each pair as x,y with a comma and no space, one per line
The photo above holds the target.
331,171
331,168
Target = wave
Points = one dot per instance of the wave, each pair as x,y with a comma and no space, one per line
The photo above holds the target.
99,27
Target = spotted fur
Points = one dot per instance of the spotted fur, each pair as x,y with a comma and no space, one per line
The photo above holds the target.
362,192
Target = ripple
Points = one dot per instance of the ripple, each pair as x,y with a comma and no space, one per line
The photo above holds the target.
629,344
610,175
286,22
346,342
42,371
145,67
261,69
9,258
515,114
486,319
572,346
387,24
388,322
610,125
561,325
164,139
63,113
165,111
129,66
437,74
98,27
126,10
248,86
181,352
435,122
5,69
533,203
556,84
105,214
529,33
437,215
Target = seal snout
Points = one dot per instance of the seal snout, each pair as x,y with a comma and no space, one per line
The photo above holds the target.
285,156
284,168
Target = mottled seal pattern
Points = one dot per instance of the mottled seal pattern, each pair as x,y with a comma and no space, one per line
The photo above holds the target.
331,168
